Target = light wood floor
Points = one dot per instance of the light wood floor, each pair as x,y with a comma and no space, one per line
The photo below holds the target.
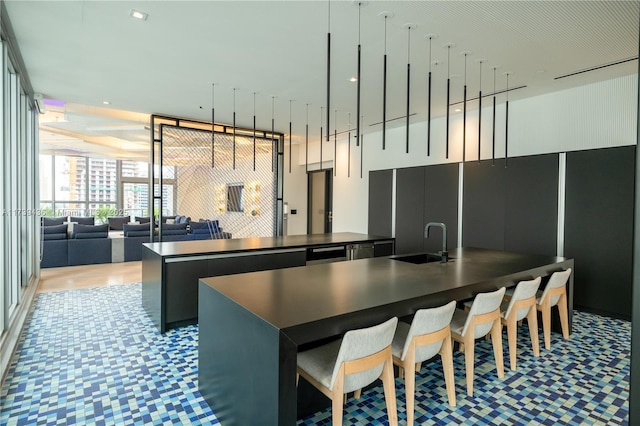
89,276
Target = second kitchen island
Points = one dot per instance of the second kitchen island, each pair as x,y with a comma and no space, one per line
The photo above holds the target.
170,270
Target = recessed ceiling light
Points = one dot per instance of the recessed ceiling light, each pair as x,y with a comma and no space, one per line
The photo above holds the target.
353,79
457,110
106,102
138,15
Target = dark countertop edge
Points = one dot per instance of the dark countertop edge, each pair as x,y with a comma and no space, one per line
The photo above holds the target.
349,237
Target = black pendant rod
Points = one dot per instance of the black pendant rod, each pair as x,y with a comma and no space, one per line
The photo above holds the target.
213,122
254,131
358,77
306,143
290,134
506,127
321,138
234,128
480,110
361,151
384,86
335,142
409,26
429,101
464,111
448,99
273,125
349,149
493,131
328,72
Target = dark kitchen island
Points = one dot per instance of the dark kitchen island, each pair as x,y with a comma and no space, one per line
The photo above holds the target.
170,270
252,325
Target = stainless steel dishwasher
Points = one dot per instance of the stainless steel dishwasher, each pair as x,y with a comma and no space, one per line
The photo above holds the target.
360,251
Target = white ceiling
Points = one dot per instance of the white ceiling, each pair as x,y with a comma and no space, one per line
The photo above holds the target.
87,52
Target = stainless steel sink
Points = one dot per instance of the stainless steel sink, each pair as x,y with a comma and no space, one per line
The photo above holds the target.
419,258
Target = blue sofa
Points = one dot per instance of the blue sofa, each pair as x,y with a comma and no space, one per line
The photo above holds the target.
206,230
89,244
54,246
134,236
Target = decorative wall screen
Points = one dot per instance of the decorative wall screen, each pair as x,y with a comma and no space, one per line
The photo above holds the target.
229,183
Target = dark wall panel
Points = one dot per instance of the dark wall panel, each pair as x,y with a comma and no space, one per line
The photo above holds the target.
483,205
531,216
441,204
409,210
380,202
599,228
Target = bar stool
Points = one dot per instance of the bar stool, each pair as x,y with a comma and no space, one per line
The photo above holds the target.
483,318
351,363
521,302
428,335
554,294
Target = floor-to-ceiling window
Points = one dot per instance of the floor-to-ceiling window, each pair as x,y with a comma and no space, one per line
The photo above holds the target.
19,262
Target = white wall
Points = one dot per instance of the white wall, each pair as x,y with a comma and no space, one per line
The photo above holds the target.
587,117
295,192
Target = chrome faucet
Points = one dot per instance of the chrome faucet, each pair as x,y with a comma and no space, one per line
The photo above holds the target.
444,253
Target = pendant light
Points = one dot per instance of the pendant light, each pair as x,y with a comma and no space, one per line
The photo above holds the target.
306,142
290,134
506,126
254,131
430,37
448,46
493,131
273,125
360,4
480,61
386,16
335,143
464,110
349,149
409,28
321,138
328,71
234,128
213,121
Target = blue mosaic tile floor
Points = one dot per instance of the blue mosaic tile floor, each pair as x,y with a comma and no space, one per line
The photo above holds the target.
93,357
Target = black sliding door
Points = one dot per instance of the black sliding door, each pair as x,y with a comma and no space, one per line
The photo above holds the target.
599,228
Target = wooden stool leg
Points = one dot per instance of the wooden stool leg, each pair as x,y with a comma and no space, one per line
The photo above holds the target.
337,401
468,360
390,392
496,338
410,386
512,338
446,353
532,322
564,315
546,324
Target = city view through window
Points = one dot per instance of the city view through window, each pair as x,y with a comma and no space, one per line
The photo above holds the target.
84,186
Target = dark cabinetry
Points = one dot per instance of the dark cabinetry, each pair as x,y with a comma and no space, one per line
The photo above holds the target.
426,194
512,208
599,228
